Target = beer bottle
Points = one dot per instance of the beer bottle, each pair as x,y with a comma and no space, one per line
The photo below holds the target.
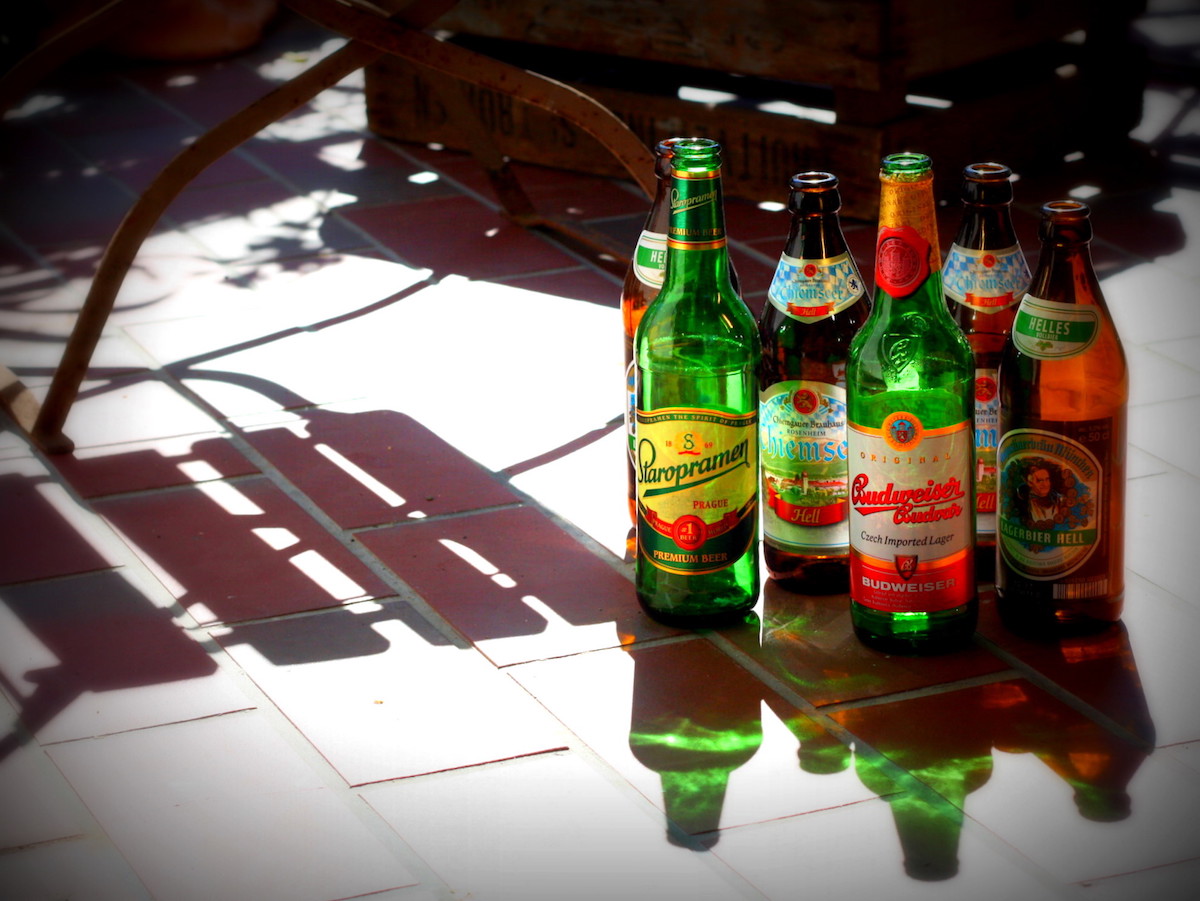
697,353
1064,389
910,407
816,304
985,276
643,279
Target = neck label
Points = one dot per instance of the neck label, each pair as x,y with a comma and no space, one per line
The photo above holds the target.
1049,330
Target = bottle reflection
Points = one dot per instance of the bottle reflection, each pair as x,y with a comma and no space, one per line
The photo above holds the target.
696,719
926,753
944,742
1096,763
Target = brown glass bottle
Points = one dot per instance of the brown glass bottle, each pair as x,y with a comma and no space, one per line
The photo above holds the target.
1064,390
816,303
643,281
985,276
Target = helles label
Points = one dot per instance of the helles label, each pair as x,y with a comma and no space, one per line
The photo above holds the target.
901,260
697,488
987,439
910,518
1050,503
812,290
650,259
1049,330
802,438
985,280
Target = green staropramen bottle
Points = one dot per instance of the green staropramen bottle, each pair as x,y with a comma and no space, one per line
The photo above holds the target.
910,413
697,352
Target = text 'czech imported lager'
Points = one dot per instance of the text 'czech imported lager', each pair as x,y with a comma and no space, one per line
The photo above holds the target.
816,303
697,353
1064,388
985,276
910,404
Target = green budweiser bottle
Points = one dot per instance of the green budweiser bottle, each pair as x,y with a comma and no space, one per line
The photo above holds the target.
697,351
816,304
1064,388
910,405
985,276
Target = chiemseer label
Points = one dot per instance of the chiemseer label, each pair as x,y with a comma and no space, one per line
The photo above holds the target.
812,290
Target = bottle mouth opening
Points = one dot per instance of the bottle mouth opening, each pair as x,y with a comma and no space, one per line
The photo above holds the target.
814,181
988,172
1066,209
908,161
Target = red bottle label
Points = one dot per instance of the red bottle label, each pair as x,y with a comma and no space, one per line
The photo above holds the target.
901,260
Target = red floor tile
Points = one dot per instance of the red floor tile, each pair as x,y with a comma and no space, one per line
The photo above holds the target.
38,537
376,466
809,643
239,550
142,466
515,584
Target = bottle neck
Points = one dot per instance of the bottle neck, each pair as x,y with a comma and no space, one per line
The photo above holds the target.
1065,273
907,253
815,236
986,227
696,233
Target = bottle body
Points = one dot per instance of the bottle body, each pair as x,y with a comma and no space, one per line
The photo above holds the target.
816,303
1064,392
910,405
985,275
643,281
697,353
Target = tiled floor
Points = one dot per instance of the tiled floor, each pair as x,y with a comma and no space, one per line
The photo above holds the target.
332,599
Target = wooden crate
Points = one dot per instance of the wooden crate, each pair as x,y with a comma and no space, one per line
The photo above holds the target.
867,45
1019,109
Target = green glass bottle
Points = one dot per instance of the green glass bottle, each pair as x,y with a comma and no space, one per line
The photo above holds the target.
1064,390
697,352
910,413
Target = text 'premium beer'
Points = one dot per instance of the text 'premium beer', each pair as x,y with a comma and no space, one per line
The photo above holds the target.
910,405
1064,389
697,352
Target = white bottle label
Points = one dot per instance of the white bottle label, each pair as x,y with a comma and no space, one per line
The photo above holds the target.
650,259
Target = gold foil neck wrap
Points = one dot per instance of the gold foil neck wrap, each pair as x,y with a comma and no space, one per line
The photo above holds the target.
909,201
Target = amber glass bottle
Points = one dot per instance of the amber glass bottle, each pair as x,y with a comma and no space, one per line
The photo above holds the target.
985,275
816,304
1064,389
643,281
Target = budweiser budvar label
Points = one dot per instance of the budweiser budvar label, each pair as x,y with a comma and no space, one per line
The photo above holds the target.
911,516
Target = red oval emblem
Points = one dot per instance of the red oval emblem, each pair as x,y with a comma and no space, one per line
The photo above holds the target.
689,532
901,260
